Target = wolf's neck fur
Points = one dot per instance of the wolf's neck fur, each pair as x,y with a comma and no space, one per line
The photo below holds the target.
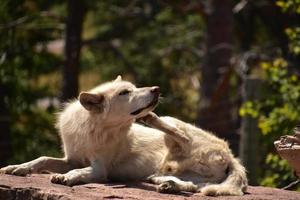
104,132
90,133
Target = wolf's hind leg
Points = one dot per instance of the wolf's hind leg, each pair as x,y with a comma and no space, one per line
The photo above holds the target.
44,163
172,184
154,121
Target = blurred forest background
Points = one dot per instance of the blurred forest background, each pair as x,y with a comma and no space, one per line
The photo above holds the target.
229,66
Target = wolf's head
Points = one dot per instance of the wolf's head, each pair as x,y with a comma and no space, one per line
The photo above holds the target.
120,101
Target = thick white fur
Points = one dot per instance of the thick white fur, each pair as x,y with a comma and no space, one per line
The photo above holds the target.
209,164
106,143
102,142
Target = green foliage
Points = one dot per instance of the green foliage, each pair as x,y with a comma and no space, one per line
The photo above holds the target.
149,44
23,29
278,112
249,108
289,5
294,36
293,33
281,114
279,172
139,40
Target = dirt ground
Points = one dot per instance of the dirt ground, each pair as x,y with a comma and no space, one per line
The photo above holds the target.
39,187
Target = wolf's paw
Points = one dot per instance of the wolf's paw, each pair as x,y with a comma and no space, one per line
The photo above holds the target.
61,179
217,190
151,179
8,169
17,170
168,187
64,179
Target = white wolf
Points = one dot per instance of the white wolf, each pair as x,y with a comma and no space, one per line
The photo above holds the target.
101,142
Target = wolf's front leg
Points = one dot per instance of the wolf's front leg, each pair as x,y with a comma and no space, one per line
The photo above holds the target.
172,184
91,174
44,163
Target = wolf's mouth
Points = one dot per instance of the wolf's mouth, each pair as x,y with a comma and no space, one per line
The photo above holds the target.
151,104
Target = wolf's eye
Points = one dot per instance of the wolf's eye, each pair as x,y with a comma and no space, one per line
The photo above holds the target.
124,92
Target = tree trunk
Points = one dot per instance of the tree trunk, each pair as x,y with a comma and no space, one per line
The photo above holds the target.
5,144
76,11
249,141
217,112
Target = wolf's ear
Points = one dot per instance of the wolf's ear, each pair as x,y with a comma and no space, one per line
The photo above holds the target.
92,102
119,78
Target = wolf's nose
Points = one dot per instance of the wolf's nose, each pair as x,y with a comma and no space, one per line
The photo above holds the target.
155,89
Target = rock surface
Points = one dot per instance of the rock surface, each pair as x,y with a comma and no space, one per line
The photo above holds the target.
288,147
39,187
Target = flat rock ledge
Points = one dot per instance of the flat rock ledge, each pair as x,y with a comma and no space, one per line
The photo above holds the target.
39,187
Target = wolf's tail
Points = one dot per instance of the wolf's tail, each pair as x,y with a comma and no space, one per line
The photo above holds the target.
235,183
